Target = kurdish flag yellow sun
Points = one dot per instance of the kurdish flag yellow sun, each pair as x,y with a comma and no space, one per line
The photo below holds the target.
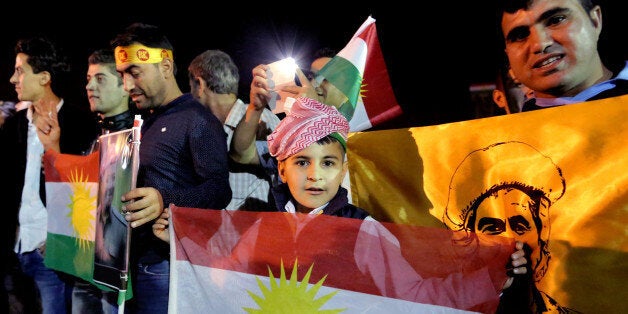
288,296
82,203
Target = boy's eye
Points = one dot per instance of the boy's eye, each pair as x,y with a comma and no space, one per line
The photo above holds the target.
328,163
301,163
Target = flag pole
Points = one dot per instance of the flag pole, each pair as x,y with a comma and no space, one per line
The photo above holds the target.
124,275
122,292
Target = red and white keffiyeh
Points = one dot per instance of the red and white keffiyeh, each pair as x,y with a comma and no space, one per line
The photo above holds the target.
307,122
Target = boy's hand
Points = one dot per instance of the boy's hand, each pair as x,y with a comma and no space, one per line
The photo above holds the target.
519,263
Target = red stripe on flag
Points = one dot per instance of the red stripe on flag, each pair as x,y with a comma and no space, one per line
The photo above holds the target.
59,167
377,95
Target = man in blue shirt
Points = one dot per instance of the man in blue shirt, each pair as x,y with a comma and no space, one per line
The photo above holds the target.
183,157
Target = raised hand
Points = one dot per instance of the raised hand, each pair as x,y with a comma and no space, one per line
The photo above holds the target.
46,120
260,91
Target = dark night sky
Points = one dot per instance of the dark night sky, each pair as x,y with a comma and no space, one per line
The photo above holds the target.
433,52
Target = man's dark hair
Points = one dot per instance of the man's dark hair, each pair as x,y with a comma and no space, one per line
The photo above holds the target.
324,52
512,6
104,57
101,56
44,55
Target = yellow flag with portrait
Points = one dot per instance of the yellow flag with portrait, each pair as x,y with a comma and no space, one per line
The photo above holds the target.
555,178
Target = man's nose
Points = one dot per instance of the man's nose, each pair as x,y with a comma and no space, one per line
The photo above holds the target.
541,39
128,82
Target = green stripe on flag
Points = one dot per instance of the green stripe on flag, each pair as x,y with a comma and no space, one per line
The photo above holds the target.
341,73
63,253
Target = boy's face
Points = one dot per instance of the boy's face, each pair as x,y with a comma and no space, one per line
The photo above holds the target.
314,174
105,92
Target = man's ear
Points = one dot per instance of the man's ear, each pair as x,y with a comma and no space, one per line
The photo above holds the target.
596,18
500,99
202,85
167,67
44,77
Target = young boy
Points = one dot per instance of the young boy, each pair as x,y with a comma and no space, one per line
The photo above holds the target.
310,147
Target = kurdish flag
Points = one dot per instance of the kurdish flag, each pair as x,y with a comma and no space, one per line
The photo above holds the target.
360,73
555,178
71,198
271,262
72,188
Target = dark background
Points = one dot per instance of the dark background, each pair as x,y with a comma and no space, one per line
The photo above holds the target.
433,51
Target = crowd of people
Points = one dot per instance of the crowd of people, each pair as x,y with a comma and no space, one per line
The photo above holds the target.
207,148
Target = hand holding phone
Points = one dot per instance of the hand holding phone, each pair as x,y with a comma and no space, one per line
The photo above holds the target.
280,73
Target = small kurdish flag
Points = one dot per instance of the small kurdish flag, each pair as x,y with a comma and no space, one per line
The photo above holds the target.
75,187
359,72
71,198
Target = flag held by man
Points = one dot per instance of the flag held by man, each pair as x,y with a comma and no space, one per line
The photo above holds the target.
76,187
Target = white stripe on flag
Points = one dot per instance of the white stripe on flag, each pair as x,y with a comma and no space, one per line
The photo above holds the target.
221,291
360,120
356,52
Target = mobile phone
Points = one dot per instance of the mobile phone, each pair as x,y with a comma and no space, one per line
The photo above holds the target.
280,73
